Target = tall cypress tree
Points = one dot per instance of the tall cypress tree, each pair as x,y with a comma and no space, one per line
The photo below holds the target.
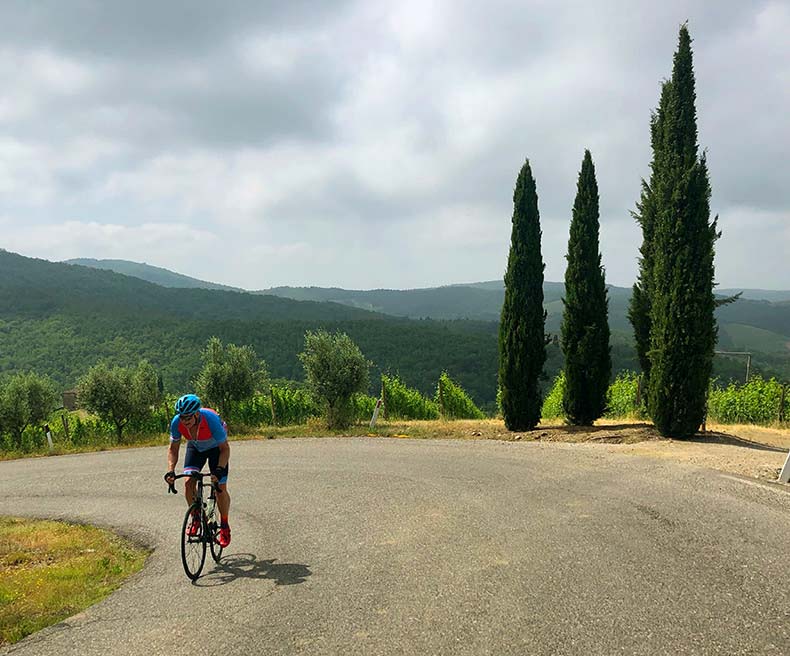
522,349
683,327
645,215
585,325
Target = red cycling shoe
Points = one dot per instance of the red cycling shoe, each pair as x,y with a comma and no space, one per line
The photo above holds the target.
194,526
224,536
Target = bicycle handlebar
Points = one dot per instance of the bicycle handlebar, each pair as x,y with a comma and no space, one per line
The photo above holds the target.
171,488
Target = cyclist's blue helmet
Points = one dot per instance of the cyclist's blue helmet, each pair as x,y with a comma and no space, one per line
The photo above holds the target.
188,404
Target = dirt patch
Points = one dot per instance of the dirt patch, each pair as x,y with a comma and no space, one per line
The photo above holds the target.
626,433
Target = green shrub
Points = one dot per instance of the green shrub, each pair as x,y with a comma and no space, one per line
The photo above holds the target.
403,402
552,404
454,402
621,397
363,407
254,411
291,406
756,402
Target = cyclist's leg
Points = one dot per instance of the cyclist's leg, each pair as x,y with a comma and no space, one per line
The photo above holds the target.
193,462
223,498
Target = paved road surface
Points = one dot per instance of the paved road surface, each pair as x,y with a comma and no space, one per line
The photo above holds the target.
387,546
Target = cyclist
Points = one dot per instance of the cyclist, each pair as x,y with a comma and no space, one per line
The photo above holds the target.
207,439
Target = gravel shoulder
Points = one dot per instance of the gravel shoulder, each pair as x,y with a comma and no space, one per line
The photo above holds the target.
752,451
746,450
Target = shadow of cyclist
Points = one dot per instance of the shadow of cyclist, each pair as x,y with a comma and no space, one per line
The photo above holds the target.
247,566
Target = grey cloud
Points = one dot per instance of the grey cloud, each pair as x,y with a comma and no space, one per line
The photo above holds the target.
150,29
168,79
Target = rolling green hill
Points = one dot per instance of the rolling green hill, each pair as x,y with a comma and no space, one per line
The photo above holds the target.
741,337
149,273
38,288
482,301
60,319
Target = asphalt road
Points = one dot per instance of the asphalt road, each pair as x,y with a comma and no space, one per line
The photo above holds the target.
387,546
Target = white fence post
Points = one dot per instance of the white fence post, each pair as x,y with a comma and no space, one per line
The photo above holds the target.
784,475
375,414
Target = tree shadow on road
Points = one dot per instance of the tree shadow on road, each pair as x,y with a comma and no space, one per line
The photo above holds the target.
247,566
598,428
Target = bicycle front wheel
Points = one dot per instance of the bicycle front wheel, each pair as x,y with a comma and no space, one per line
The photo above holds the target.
216,547
193,542
212,531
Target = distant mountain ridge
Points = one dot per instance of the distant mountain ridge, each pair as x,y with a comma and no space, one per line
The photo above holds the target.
34,288
750,323
552,290
150,273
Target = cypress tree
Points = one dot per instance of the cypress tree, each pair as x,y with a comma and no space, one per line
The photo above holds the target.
585,325
683,327
639,307
522,348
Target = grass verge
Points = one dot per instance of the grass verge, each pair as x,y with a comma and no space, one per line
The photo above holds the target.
51,570
622,430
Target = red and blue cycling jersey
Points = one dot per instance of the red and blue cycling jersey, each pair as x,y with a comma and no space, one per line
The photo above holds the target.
211,431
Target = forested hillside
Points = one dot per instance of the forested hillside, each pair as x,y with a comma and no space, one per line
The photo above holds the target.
150,273
60,319
761,310
483,301
35,288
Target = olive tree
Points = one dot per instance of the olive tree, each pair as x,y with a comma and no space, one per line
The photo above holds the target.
230,374
119,394
25,400
336,370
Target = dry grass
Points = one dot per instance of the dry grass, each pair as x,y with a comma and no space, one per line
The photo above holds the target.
50,571
478,429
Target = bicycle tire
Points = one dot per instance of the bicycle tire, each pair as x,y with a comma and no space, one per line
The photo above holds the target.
212,532
193,548
216,547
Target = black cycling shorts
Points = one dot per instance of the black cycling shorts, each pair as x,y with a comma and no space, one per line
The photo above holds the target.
194,461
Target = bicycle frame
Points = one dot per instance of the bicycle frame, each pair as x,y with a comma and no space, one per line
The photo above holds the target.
207,534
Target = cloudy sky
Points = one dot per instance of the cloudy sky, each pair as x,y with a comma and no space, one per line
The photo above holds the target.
375,144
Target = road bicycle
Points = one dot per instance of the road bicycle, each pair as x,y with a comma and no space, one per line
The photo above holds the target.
200,529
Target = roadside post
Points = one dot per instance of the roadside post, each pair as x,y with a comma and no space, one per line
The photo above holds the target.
784,475
375,414
49,437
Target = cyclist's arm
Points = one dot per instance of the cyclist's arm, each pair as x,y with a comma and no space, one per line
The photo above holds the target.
224,454
172,455
175,443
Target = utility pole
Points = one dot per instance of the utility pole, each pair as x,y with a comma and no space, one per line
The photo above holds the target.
748,359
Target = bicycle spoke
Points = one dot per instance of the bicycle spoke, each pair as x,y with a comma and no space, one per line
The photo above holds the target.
193,545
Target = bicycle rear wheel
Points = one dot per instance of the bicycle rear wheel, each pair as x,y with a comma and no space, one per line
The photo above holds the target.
193,547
